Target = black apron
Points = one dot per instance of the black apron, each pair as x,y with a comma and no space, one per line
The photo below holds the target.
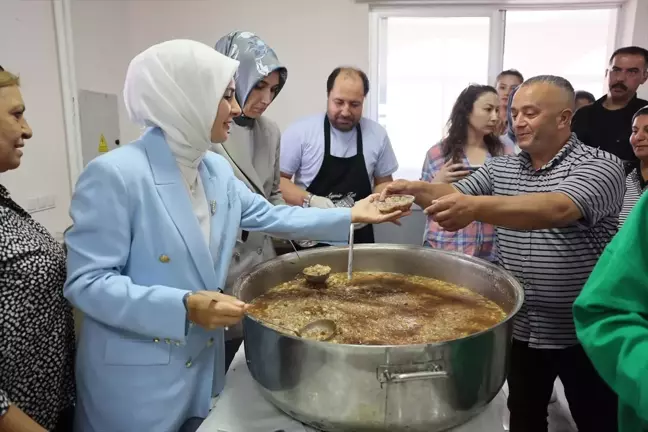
344,179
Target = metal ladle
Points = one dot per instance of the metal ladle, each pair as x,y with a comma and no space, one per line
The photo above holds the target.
325,328
350,264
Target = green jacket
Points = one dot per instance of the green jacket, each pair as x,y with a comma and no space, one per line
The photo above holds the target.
611,316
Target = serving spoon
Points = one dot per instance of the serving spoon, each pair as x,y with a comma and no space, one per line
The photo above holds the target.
350,264
325,328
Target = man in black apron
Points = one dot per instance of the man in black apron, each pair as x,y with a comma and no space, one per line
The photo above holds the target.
343,181
318,171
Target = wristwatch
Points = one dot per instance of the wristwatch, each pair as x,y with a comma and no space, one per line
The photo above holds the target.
307,200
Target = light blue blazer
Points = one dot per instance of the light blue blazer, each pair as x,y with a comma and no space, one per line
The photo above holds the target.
134,250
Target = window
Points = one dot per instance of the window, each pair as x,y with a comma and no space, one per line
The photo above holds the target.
423,57
532,38
421,85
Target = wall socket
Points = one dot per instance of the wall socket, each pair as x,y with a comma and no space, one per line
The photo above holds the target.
42,203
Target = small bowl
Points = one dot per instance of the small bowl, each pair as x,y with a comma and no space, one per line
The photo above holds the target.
396,202
317,273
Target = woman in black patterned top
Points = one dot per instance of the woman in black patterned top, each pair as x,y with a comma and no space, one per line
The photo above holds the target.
36,325
637,179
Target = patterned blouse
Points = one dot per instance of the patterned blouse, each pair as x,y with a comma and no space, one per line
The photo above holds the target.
477,239
36,323
635,186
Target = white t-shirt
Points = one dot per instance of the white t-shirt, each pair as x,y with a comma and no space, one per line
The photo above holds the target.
302,149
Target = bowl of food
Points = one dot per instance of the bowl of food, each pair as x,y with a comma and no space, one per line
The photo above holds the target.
394,203
317,273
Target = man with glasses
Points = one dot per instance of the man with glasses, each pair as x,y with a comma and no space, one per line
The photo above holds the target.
607,123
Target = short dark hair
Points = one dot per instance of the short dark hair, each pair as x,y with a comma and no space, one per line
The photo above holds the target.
642,112
558,81
510,72
631,50
330,82
582,94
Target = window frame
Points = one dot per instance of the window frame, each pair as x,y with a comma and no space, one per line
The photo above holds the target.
380,13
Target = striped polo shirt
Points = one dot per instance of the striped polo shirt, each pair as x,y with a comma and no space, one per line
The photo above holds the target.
554,264
635,186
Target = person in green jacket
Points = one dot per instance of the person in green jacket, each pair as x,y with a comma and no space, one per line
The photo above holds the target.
611,317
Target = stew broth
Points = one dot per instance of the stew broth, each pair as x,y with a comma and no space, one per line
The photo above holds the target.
377,308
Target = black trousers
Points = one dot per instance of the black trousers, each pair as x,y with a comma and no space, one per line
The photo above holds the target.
66,421
532,373
231,348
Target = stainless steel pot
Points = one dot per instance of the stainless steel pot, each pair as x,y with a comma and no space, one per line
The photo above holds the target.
359,388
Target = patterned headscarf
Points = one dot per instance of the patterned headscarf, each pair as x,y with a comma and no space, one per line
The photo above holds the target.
257,59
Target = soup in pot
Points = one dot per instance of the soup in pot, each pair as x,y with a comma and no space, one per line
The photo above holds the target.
377,308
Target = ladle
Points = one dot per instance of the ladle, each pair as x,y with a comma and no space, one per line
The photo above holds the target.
316,278
325,328
350,266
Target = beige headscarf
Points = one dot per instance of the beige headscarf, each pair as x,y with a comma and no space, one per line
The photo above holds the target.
177,86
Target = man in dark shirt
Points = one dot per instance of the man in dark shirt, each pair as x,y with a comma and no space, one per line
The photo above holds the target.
607,123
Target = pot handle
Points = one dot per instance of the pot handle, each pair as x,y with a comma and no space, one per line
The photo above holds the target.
391,374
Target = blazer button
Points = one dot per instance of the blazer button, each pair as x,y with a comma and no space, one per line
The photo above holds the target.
188,363
156,340
178,343
237,256
260,251
168,341
210,342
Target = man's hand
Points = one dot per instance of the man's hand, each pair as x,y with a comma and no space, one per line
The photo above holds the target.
211,310
453,212
366,211
395,188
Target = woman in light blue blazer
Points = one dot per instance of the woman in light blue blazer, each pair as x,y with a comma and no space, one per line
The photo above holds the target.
154,226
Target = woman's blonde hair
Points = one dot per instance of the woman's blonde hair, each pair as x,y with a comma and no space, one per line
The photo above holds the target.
7,79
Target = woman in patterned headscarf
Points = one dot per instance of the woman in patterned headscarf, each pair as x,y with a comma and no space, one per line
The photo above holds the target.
253,147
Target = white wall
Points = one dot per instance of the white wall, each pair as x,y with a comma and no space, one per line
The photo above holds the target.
311,38
29,49
102,51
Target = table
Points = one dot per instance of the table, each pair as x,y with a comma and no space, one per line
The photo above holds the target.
242,408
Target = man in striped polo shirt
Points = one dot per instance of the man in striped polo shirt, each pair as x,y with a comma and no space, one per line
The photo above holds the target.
555,206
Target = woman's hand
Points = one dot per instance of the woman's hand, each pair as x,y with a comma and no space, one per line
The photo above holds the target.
450,173
366,211
211,310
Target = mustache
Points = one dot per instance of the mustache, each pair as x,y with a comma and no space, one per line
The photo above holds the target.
620,86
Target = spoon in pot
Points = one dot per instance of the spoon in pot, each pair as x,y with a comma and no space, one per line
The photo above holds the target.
317,273
320,330
350,265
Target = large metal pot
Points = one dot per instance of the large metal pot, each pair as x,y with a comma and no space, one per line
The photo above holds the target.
357,388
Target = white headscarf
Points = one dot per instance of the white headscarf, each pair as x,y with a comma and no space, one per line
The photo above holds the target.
177,86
